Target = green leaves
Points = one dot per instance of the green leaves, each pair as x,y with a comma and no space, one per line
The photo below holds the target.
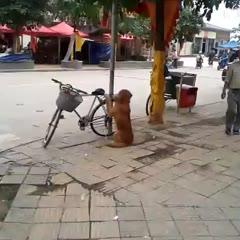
208,6
139,26
76,11
19,13
188,25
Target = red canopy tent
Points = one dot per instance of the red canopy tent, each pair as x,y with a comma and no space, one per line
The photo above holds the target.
41,32
5,29
66,30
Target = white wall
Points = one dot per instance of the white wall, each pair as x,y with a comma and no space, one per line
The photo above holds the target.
187,48
26,40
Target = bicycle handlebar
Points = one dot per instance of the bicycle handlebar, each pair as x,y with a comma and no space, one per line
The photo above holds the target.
74,89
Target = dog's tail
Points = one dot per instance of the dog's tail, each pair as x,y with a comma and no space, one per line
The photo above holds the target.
117,145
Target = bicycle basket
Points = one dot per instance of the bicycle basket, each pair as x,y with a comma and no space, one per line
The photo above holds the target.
68,101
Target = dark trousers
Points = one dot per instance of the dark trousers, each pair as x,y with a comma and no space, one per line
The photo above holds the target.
233,110
175,63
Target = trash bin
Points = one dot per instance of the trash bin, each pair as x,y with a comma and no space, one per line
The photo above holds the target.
188,96
188,78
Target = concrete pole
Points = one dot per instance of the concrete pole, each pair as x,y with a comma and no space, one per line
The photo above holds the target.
113,46
114,17
59,50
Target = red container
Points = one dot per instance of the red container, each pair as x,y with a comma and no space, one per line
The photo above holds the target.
188,96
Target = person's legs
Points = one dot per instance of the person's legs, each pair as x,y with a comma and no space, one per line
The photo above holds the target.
236,126
175,63
231,112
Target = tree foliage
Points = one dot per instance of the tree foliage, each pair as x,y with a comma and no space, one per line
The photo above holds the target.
19,13
139,26
187,26
76,12
208,6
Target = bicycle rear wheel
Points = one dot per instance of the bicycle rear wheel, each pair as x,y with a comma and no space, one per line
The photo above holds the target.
52,127
100,121
148,103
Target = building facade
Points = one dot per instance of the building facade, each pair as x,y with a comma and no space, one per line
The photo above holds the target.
209,37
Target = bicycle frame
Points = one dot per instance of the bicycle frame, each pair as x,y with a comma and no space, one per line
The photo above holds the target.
91,108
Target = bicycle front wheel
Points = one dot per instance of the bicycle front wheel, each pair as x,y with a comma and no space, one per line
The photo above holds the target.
100,121
52,127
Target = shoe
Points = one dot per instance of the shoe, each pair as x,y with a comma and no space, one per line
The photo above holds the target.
236,132
228,131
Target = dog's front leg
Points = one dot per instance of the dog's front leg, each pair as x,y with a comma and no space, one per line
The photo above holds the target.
110,107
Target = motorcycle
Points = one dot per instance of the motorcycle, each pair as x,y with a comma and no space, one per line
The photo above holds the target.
222,63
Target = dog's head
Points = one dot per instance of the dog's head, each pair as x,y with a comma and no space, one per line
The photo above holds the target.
123,96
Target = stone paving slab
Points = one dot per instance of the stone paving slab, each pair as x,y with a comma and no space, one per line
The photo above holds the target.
44,231
104,230
70,231
48,215
76,215
20,215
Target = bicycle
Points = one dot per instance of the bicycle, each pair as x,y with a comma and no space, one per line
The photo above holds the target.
68,100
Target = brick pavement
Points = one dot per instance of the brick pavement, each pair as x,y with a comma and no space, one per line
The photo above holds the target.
177,182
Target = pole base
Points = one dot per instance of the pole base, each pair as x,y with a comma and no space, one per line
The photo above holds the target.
155,118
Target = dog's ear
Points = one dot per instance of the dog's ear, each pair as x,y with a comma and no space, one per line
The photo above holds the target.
124,96
130,95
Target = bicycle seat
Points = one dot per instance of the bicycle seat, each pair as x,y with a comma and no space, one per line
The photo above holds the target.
98,92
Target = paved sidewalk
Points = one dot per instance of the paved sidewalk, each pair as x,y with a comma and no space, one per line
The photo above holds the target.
177,182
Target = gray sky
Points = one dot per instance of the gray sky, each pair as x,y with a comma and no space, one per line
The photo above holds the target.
225,18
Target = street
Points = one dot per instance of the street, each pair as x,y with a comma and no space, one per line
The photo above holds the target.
28,99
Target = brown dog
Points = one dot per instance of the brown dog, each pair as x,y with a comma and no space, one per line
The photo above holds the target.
118,108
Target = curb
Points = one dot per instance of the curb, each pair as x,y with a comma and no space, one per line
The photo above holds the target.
64,70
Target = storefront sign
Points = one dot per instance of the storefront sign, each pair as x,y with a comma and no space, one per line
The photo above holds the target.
206,34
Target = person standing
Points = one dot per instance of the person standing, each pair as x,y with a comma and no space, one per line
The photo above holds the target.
232,83
211,57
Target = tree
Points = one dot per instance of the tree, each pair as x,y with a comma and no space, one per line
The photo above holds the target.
76,12
22,13
187,26
208,6
139,26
